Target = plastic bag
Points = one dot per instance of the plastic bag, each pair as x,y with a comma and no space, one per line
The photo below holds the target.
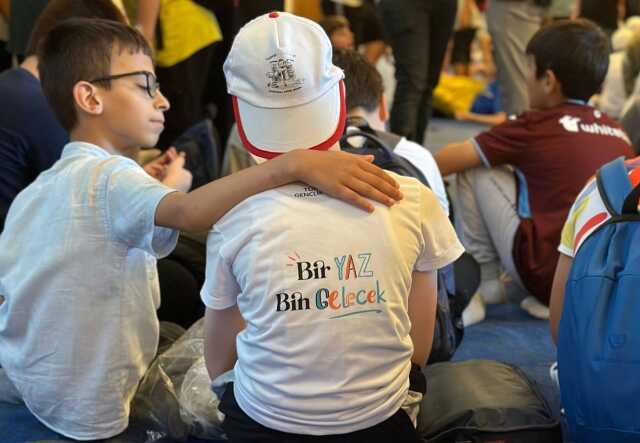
174,398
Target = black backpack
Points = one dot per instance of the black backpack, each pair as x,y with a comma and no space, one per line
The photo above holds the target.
380,145
451,302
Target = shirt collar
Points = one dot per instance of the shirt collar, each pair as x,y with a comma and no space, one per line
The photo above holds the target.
74,148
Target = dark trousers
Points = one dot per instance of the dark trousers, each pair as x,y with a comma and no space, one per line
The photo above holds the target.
240,428
181,276
183,84
418,31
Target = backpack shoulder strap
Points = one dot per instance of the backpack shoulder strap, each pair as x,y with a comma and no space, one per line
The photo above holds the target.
389,139
613,185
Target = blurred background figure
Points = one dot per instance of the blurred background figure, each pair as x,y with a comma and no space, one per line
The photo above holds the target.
511,25
183,34
418,31
365,22
339,31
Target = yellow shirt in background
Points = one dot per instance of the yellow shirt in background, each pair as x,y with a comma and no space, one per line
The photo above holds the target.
186,28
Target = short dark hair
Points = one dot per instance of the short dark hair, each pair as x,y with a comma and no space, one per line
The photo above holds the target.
80,49
331,23
577,51
363,82
60,10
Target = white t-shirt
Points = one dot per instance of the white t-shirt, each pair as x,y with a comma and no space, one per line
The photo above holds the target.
78,328
323,288
421,158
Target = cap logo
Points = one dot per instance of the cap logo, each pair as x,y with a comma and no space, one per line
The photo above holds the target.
281,77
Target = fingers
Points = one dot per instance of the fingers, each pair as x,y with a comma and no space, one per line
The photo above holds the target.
369,167
355,199
366,190
178,162
381,182
171,153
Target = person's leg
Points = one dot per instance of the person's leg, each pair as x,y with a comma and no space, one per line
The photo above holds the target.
179,294
439,27
511,25
406,25
487,221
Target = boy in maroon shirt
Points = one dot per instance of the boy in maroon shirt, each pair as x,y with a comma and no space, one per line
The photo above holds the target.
517,181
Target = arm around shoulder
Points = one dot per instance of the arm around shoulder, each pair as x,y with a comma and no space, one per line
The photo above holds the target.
349,177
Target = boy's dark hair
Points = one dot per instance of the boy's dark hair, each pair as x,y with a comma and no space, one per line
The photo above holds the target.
80,49
59,10
577,52
363,82
332,23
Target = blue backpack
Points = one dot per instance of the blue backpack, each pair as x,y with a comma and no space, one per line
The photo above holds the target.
599,332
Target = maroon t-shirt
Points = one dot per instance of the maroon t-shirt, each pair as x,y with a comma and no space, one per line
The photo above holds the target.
555,151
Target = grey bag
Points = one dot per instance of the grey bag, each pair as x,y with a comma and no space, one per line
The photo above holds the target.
484,401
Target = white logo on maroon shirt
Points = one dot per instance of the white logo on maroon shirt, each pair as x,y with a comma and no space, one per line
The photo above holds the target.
570,123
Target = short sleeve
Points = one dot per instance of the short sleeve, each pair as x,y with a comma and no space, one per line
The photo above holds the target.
567,236
132,199
441,245
503,144
220,289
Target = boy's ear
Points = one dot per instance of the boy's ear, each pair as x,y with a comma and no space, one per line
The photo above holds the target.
551,83
383,114
86,97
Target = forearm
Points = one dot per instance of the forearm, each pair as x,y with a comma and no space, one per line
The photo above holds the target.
220,331
577,9
203,207
556,301
422,312
457,157
147,17
485,119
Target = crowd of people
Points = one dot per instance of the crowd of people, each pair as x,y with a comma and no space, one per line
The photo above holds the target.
315,270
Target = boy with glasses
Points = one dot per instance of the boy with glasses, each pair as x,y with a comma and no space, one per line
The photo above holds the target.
78,325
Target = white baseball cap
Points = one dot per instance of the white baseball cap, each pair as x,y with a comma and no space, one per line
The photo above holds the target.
286,92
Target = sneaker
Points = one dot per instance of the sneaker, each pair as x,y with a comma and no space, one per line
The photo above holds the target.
492,291
535,308
475,312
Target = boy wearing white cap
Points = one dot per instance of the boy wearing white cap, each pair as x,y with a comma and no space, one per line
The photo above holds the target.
321,308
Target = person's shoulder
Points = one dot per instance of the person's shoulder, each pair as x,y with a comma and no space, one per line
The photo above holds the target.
19,84
414,192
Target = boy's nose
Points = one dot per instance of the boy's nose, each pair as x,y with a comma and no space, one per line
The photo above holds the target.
161,101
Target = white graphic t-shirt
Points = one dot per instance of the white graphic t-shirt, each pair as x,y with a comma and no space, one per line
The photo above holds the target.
323,287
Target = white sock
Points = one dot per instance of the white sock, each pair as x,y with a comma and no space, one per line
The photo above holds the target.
475,311
535,308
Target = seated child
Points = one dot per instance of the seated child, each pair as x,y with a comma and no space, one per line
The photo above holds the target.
339,32
78,325
511,217
321,310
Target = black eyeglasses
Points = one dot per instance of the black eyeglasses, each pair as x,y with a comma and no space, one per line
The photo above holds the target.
152,84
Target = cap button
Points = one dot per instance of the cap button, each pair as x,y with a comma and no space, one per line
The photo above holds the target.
274,14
